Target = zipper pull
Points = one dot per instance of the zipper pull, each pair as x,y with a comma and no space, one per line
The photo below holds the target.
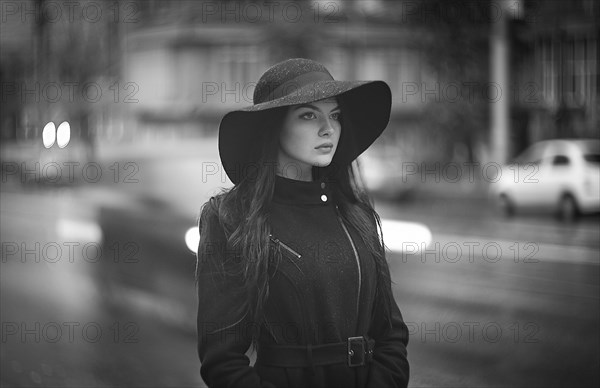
293,252
284,246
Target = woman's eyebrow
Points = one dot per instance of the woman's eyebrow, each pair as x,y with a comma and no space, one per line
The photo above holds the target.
313,107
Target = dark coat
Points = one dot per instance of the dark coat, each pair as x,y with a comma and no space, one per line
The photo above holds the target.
314,299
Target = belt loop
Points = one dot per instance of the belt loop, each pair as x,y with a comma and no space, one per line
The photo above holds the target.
309,357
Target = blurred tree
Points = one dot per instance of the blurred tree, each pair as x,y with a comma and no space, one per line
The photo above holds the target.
290,38
458,55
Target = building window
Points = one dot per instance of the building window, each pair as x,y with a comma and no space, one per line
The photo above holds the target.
238,66
413,90
337,60
580,76
580,71
372,64
591,69
549,71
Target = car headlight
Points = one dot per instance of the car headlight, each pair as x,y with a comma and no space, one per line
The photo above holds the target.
192,239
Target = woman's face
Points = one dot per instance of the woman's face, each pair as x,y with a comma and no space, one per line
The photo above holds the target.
309,137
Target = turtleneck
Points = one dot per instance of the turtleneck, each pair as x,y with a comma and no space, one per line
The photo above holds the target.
292,191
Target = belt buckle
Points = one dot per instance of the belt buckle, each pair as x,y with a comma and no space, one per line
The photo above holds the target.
356,345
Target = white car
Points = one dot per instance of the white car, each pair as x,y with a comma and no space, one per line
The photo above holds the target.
384,168
562,175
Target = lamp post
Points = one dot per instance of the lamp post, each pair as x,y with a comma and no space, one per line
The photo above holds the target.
501,11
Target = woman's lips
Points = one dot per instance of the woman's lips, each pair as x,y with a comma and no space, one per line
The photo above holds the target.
325,145
325,148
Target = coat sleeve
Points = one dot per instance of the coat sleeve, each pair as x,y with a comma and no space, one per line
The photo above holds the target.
224,330
390,366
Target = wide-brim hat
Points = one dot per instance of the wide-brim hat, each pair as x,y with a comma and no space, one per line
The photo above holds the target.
366,107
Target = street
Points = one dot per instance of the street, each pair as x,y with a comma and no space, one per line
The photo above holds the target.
496,302
465,121
491,302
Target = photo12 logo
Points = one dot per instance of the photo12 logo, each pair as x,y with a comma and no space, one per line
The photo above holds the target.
55,252
69,332
70,92
473,331
242,11
71,11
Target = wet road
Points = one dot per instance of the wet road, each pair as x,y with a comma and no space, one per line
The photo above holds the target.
492,302
496,302
74,316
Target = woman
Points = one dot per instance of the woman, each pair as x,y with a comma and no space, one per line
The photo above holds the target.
290,259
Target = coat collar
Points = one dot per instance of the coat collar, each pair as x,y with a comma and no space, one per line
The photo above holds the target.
296,192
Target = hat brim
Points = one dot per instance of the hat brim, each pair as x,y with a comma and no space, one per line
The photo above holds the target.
367,107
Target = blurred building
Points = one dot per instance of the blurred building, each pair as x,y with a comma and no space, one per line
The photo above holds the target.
170,69
556,72
193,61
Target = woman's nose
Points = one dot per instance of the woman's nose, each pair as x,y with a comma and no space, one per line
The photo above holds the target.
327,128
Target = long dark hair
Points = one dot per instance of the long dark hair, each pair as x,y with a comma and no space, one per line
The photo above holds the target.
243,215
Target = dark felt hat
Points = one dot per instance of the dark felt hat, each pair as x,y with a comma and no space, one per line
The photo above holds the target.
365,106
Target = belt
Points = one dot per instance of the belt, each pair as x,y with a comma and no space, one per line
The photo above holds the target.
356,351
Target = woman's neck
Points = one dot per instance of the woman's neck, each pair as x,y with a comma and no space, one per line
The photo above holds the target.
296,174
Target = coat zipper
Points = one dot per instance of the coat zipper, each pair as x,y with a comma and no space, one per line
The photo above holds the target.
290,250
355,255
296,291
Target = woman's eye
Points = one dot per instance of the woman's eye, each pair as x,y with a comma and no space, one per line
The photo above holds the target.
308,115
336,116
